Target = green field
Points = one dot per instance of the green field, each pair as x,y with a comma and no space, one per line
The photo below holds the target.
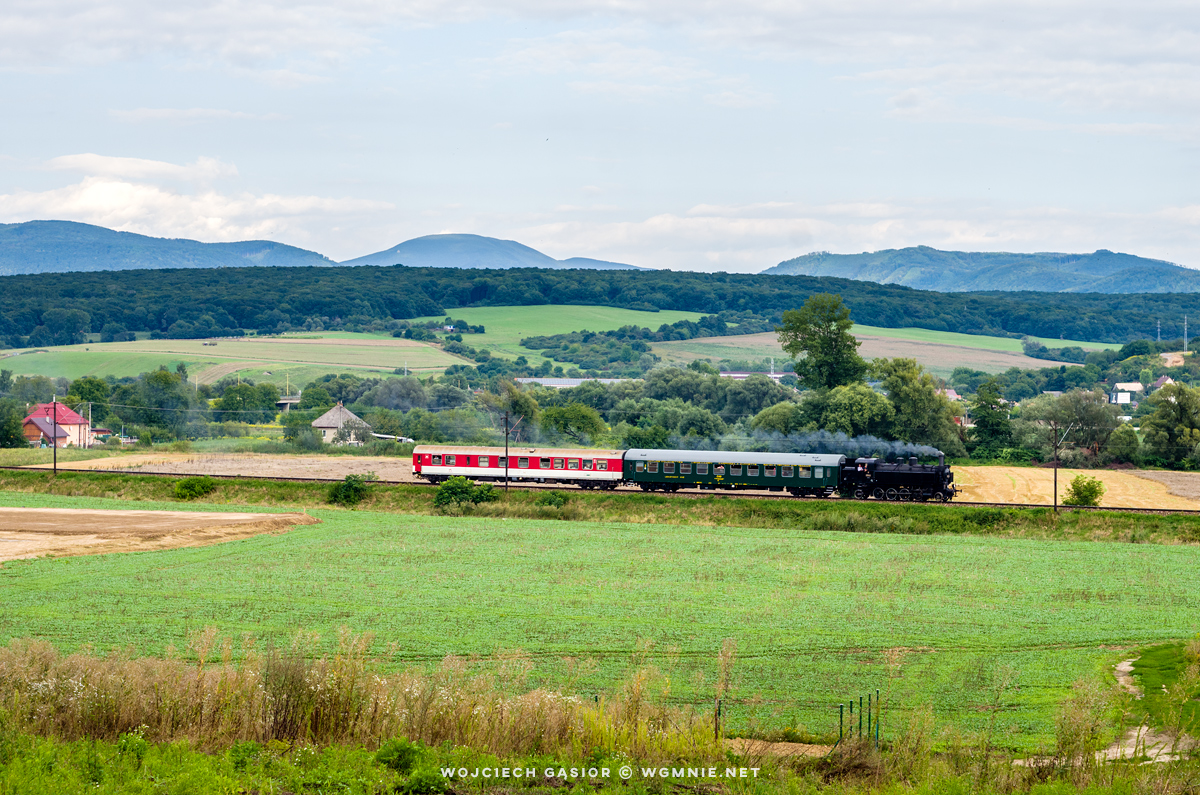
287,360
818,617
508,325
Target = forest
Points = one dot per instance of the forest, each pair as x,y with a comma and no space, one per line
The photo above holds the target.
39,311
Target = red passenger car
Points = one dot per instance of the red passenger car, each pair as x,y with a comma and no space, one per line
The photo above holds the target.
588,469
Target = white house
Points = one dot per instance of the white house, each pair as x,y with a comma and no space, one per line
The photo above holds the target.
332,421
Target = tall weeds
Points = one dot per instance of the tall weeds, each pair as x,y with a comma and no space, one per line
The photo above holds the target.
291,696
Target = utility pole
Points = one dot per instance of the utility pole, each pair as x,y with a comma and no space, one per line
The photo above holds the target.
1185,333
1057,443
1159,335
54,438
505,446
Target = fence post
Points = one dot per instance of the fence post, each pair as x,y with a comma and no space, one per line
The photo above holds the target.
878,716
841,721
860,717
869,711
717,723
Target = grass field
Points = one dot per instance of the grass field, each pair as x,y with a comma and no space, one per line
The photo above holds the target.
291,359
508,325
818,617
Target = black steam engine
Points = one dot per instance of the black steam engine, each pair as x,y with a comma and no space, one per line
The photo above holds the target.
879,479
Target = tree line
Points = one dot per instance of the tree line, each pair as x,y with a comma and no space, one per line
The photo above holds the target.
194,303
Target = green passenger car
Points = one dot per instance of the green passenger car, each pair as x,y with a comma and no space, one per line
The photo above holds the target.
802,474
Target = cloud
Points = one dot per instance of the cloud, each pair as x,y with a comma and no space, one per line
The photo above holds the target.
190,115
119,193
752,237
204,169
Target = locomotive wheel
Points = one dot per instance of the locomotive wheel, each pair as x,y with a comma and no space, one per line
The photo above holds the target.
878,494
860,494
905,495
892,494
939,496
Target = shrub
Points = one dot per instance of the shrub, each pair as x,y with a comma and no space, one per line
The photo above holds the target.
459,492
552,499
425,782
191,488
1084,490
399,755
350,491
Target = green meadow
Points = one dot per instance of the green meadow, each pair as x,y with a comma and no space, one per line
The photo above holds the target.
972,626
508,325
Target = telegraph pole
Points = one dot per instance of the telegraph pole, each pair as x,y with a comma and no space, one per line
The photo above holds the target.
54,439
1057,442
505,450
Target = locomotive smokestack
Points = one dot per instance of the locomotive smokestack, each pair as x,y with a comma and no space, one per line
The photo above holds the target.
912,461
941,459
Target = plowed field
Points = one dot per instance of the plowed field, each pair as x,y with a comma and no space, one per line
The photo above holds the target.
33,532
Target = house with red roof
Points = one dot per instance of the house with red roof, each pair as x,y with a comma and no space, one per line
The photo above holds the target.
56,421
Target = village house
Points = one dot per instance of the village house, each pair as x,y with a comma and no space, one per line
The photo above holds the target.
73,430
334,420
1126,392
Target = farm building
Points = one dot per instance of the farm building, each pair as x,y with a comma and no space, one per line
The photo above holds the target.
73,430
1126,392
331,422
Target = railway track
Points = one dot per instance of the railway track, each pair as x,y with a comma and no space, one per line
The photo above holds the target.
695,495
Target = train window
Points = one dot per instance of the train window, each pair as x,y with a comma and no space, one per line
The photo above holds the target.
751,470
485,461
701,469
437,460
558,463
573,463
449,460
502,462
769,472
652,466
602,465
523,463
544,463
787,471
587,463
735,469
818,472
639,466
720,469
803,472
685,468
668,466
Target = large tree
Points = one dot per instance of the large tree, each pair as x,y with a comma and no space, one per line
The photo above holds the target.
817,336
575,420
923,415
1173,431
993,429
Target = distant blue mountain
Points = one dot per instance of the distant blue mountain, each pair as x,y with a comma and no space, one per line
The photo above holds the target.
475,251
64,246
925,268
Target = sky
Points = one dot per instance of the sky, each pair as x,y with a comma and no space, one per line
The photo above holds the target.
699,135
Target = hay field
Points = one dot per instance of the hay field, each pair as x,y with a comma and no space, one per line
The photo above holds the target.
938,357
817,616
1035,485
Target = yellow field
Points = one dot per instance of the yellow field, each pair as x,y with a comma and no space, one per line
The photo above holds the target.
1035,485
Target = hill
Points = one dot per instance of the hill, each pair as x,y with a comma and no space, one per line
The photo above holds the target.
63,246
925,268
476,251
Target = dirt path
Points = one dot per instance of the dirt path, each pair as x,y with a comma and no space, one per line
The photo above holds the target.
34,532
761,748
1181,484
259,465
1026,485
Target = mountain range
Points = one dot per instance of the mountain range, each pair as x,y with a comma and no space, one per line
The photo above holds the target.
925,268
67,246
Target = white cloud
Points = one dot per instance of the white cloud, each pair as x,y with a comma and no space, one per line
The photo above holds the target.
204,169
119,201
750,238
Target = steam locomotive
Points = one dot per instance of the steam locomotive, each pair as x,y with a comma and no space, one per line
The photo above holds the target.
904,481
799,474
